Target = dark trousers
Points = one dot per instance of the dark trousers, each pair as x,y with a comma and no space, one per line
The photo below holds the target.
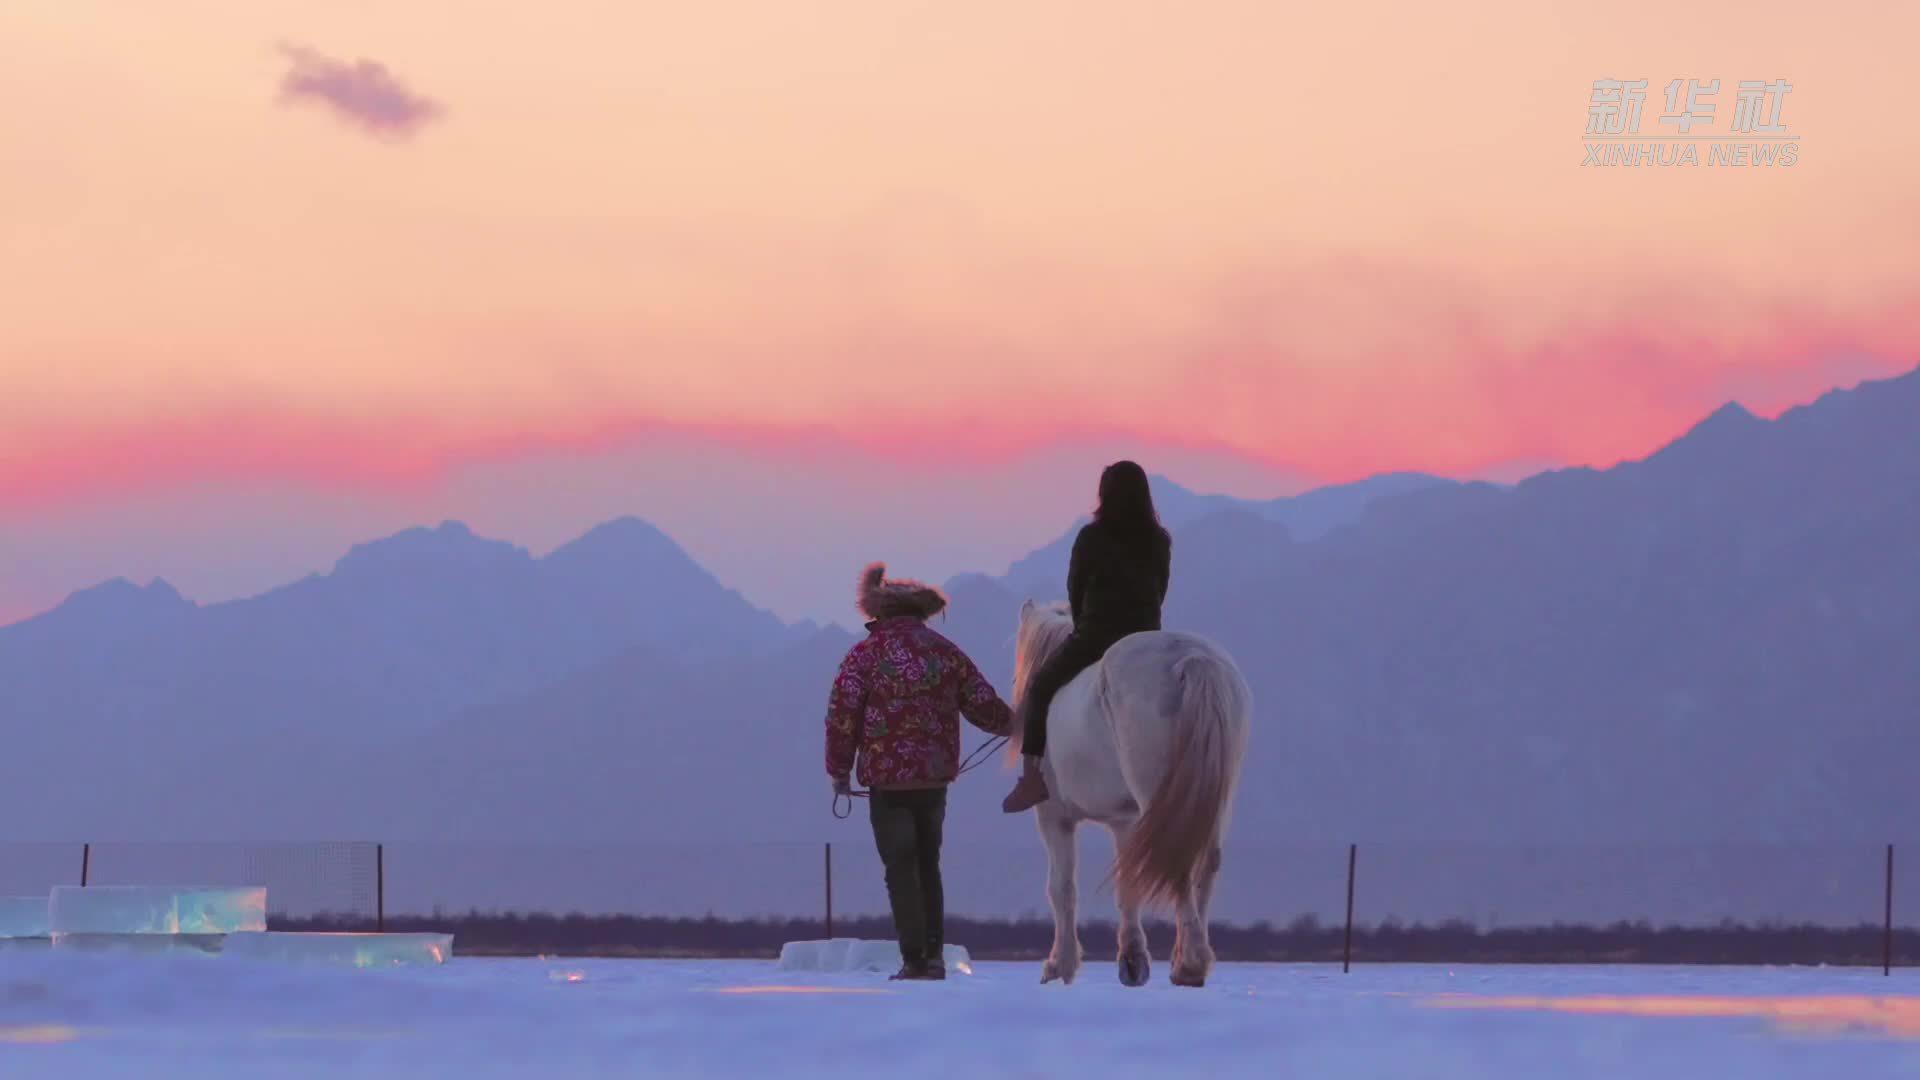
906,828
1082,650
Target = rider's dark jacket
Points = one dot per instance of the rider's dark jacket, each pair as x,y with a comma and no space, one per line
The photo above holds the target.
1117,580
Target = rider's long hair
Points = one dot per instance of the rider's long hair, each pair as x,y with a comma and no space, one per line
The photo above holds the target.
1126,501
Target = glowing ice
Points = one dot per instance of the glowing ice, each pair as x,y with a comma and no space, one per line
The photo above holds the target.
349,950
23,917
150,909
858,954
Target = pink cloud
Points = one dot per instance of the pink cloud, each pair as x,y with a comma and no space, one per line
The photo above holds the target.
361,92
1588,414
398,454
1356,366
1328,372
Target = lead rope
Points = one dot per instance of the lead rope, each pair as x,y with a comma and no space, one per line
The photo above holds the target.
972,761
849,796
980,755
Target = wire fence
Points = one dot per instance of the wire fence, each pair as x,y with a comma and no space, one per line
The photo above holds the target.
339,879
1850,904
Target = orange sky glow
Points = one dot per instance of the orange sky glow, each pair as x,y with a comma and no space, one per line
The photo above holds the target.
1313,245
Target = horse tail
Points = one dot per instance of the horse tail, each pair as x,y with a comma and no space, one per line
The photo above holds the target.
1186,817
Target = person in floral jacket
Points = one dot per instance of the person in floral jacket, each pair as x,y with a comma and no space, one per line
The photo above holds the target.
896,705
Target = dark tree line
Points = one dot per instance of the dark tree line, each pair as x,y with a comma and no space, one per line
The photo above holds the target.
479,933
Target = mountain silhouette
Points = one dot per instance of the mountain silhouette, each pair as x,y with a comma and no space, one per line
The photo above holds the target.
153,698
1307,516
1712,645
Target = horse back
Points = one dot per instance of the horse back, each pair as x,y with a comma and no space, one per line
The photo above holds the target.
1113,726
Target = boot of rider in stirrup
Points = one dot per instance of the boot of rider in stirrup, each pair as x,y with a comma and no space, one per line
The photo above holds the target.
1030,790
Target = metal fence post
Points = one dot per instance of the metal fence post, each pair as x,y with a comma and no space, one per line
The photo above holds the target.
829,878
1346,956
86,860
1886,942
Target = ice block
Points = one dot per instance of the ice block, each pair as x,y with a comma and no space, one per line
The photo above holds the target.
23,917
349,950
859,954
156,909
141,944
221,911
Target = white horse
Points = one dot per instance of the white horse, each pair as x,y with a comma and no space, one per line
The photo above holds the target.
1147,742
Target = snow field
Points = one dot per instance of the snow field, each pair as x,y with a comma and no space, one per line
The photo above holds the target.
182,1014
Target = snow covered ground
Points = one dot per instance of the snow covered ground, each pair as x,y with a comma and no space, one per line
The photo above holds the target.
80,1015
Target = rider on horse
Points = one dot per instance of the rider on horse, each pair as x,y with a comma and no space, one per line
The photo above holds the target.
1116,584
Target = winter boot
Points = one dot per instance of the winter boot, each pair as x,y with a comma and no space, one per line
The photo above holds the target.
913,970
1031,789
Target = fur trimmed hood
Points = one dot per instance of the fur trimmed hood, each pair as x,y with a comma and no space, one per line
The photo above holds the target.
884,599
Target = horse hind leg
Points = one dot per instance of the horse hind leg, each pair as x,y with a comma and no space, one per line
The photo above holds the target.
1057,833
1209,874
1135,960
1192,949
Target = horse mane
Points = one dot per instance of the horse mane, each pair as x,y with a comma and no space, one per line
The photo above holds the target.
1044,628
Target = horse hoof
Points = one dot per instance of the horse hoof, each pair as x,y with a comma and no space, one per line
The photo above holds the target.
1189,978
1135,969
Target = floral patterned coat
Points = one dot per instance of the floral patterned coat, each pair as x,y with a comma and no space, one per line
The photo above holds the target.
897,701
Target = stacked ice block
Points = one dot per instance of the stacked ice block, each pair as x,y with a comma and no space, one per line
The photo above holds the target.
350,950
226,921
23,922
156,909
153,916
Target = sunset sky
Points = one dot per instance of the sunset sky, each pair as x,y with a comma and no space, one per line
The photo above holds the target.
882,279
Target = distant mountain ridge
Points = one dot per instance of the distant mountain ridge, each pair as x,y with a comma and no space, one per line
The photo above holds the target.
403,632
689,607
406,634
1307,516
1713,644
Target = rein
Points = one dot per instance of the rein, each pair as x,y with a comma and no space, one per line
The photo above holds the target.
972,761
